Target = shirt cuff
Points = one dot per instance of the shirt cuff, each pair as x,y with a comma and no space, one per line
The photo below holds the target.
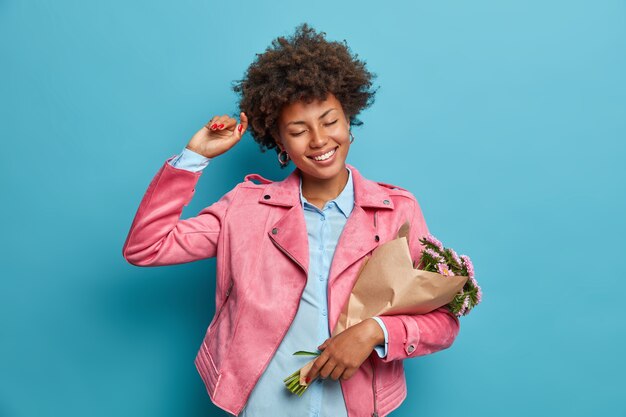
190,161
382,349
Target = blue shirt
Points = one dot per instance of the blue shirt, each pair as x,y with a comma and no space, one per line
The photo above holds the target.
310,327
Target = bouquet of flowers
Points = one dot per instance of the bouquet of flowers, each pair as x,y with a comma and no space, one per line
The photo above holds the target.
388,283
445,261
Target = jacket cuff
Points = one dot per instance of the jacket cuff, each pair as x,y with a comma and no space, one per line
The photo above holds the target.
190,161
405,336
420,334
169,170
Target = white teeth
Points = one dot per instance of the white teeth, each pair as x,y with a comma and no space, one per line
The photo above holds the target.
325,156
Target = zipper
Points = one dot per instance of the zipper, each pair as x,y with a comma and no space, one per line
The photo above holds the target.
375,413
219,313
228,291
230,287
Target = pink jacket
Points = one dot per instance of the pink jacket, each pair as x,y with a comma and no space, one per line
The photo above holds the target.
258,234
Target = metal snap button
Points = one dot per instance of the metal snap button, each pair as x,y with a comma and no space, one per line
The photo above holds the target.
267,196
376,238
386,202
274,231
411,348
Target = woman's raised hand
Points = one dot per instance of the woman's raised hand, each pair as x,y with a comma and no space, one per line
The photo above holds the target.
218,136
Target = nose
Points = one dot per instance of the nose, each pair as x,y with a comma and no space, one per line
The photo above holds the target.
318,140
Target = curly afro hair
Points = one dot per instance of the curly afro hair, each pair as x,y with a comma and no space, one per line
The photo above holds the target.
304,66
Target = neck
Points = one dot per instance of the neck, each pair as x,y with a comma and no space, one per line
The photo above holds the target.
316,189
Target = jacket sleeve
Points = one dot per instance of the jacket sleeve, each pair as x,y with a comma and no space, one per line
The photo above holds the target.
158,237
419,334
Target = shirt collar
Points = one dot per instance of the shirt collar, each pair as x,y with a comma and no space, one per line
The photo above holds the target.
344,201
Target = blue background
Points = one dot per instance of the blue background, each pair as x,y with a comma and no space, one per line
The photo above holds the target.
505,119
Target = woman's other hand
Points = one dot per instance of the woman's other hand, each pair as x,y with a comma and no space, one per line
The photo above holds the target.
218,136
344,353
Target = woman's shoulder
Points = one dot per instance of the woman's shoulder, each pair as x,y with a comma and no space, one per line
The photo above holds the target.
394,191
398,194
249,184
379,183
391,186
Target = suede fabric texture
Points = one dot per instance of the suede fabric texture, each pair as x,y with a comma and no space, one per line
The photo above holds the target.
258,234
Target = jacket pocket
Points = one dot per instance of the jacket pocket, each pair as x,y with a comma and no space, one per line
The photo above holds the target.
220,329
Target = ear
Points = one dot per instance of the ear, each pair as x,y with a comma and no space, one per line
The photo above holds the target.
348,120
278,142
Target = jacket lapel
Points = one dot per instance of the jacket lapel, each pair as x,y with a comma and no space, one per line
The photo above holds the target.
358,237
289,233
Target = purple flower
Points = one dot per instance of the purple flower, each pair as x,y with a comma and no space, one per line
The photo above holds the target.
434,241
473,282
434,255
443,269
455,258
464,308
468,264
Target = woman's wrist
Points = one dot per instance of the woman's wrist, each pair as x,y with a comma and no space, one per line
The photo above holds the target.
376,334
192,149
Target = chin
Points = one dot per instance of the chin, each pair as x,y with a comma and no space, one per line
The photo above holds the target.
323,172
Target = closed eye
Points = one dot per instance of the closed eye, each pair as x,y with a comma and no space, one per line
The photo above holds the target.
327,124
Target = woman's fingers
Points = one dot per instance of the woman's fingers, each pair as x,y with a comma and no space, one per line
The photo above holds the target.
242,126
318,364
337,372
223,122
228,123
325,367
329,369
217,122
347,374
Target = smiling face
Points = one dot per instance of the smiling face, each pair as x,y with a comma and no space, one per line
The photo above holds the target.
316,136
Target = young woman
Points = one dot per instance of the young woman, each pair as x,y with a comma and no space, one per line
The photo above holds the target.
288,252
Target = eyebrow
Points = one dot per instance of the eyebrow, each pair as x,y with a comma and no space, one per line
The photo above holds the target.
301,122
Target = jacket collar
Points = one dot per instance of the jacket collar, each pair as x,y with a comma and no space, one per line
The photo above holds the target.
367,193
